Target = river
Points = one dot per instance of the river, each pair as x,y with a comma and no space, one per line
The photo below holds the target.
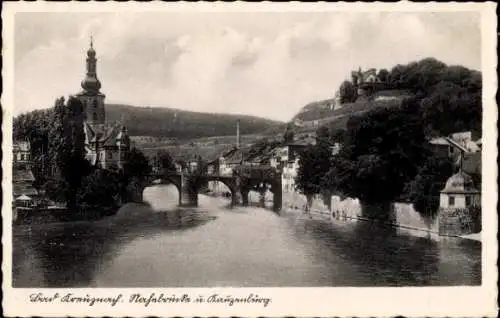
161,245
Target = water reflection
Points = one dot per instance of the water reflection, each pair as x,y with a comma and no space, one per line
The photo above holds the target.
145,246
70,255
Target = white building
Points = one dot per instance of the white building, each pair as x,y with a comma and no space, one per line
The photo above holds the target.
459,192
286,159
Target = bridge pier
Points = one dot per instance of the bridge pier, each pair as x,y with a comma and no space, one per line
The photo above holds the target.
277,202
262,198
278,197
244,197
188,195
134,191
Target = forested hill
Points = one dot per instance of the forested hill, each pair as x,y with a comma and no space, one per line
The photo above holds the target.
449,97
182,124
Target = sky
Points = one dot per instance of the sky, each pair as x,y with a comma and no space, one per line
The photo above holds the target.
264,64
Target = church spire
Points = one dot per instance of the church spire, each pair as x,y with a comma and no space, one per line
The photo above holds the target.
90,83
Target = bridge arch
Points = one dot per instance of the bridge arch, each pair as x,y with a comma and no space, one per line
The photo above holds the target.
262,186
229,184
136,186
162,195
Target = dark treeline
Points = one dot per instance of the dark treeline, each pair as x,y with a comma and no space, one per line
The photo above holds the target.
160,122
385,154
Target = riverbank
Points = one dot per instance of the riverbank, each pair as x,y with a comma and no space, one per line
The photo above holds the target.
49,215
474,237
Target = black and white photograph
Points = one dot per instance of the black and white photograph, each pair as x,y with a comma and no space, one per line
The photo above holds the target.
247,149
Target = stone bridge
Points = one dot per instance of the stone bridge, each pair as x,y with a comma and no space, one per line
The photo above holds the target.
243,180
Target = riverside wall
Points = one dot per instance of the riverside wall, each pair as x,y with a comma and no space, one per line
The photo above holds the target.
402,215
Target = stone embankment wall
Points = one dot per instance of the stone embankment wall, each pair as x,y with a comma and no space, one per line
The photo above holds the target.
403,214
460,221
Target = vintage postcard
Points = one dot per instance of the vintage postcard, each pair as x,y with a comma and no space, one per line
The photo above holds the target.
270,159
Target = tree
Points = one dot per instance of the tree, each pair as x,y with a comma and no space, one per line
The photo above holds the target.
380,155
69,145
338,135
347,92
137,165
323,137
165,161
423,191
383,75
314,163
100,188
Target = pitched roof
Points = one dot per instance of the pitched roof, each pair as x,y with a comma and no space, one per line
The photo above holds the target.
260,157
23,188
107,134
22,175
456,144
460,182
439,141
233,156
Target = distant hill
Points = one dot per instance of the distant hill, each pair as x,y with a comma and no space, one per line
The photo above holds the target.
184,125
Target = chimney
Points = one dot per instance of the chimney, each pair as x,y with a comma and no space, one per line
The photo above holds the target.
237,134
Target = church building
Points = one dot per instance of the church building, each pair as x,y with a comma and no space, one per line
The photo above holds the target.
106,144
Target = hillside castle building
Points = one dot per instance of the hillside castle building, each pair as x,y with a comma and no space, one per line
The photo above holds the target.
106,144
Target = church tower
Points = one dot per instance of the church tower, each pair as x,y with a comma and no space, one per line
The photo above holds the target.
91,97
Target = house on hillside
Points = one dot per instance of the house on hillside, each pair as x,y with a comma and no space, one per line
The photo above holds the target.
463,151
286,159
455,144
367,82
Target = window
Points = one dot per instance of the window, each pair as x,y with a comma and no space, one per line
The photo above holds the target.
94,116
451,200
468,200
22,156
